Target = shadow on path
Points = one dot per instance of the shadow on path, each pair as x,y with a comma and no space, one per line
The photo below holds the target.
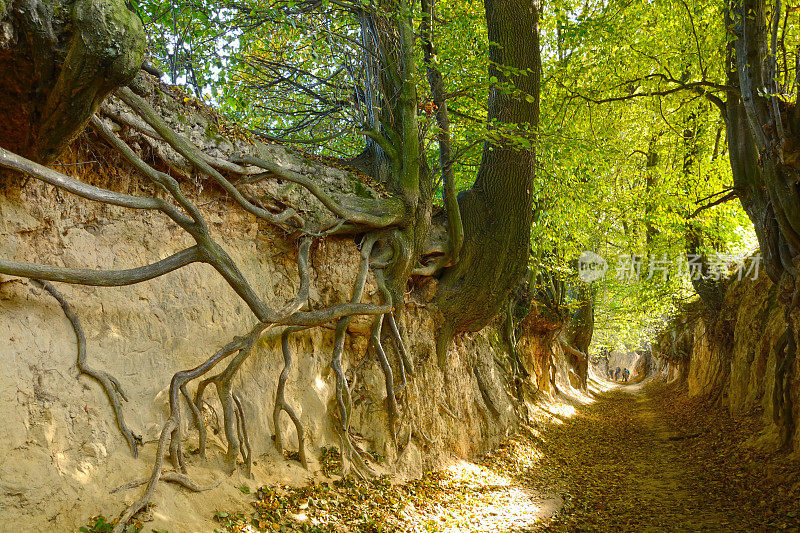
646,458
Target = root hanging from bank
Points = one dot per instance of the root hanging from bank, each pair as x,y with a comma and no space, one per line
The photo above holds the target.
110,385
142,502
168,477
367,217
282,405
244,439
170,433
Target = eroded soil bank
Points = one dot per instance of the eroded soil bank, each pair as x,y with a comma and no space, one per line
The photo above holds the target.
633,458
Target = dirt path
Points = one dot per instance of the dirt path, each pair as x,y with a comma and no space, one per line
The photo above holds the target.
621,469
632,459
648,459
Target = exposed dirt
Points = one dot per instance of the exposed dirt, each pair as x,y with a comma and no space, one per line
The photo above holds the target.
651,459
624,458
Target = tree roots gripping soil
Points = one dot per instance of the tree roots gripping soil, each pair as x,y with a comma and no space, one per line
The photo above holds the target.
378,252
110,385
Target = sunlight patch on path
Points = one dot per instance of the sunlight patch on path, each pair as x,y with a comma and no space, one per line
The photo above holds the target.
477,499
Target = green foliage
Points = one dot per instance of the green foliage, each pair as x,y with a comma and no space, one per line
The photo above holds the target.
629,146
623,167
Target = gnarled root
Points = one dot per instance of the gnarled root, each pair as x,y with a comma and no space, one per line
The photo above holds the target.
141,503
405,360
241,432
170,434
110,385
282,405
168,477
391,399
350,455
230,414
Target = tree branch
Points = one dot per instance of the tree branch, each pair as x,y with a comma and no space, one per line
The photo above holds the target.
102,278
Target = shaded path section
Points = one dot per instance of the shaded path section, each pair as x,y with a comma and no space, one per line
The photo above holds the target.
649,459
627,459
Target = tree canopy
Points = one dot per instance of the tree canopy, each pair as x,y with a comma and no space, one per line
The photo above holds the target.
509,143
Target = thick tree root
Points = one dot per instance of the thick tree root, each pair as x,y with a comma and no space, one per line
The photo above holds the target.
230,416
197,415
487,399
110,385
386,367
142,502
391,398
350,455
282,405
241,432
405,360
193,154
170,434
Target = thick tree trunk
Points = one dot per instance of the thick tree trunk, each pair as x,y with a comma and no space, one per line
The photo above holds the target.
764,141
497,211
58,61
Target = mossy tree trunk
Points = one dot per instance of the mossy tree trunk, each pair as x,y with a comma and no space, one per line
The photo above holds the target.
764,146
60,62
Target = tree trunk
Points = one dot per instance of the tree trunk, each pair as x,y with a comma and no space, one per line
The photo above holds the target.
57,66
497,210
764,141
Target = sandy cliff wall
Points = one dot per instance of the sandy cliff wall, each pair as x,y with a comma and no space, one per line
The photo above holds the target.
734,356
60,449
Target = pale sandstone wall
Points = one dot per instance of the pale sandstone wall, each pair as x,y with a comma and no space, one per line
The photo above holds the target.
734,357
60,450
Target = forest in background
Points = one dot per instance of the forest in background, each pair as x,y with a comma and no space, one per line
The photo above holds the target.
632,153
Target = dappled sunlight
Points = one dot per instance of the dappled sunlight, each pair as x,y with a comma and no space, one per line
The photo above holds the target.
493,493
476,498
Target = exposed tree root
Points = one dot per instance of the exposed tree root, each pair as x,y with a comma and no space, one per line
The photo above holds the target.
447,410
353,214
247,451
417,432
186,149
139,504
405,359
391,398
487,399
230,417
197,415
110,385
387,211
168,477
282,405
170,434
350,455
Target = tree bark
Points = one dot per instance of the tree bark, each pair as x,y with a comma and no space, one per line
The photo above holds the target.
497,211
63,60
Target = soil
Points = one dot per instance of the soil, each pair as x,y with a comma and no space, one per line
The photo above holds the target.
649,458
625,457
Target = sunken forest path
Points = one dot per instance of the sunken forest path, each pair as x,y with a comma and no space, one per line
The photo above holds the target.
626,457
648,458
